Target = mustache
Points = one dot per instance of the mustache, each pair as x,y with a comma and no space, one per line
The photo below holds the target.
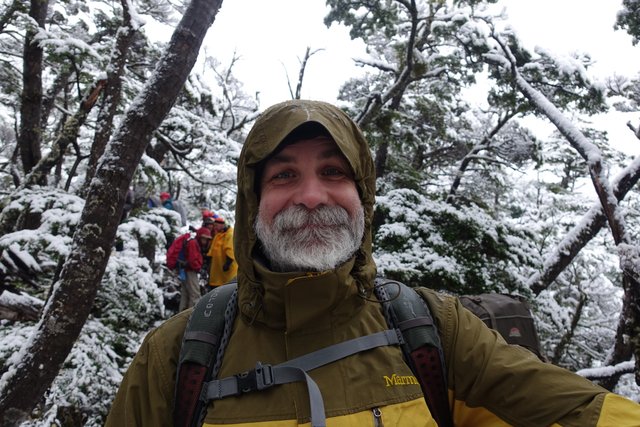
318,239
298,217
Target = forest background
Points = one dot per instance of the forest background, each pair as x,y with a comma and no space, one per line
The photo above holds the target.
470,198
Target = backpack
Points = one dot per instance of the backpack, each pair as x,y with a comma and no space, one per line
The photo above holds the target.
510,315
210,326
177,252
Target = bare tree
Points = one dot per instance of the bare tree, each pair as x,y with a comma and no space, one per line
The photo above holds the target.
31,107
473,154
627,341
112,91
586,229
303,67
70,302
68,135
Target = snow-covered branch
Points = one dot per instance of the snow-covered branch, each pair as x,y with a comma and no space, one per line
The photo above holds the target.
472,155
19,307
607,371
628,254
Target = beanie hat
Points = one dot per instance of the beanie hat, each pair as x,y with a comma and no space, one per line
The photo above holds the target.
218,219
206,213
164,195
203,232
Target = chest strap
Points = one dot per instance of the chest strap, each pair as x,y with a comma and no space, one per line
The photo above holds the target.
265,375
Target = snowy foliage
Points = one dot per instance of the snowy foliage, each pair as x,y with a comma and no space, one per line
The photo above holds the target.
461,250
57,213
92,372
120,296
155,226
628,18
469,199
129,302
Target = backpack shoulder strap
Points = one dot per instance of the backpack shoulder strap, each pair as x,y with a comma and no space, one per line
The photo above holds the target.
203,344
209,328
408,312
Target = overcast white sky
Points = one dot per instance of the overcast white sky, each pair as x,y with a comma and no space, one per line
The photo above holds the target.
271,36
577,25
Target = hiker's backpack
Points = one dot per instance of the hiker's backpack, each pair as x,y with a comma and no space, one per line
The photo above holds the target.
210,327
510,315
177,252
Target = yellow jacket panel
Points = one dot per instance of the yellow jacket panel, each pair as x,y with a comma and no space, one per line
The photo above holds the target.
221,251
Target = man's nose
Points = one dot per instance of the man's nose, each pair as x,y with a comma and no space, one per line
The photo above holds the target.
311,193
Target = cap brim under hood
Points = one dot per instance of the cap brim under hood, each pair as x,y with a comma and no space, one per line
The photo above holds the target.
269,130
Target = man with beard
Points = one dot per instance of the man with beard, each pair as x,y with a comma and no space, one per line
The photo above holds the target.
306,189
310,216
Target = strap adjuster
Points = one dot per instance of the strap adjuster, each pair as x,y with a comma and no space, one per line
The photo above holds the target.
264,376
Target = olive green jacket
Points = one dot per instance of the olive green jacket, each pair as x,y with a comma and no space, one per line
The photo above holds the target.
286,315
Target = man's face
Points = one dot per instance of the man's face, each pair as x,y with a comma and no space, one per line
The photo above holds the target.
218,227
310,216
204,242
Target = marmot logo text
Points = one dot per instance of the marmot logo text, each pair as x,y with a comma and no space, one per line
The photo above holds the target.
396,379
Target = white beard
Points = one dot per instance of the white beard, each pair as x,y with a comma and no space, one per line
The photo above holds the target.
310,240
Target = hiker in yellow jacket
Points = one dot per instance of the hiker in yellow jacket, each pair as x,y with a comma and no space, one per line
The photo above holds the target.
223,260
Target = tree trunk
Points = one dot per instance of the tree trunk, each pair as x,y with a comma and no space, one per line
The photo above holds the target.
68,135
158,151
112,93
380,162
49,99
31,107
624,346
24,384
568,335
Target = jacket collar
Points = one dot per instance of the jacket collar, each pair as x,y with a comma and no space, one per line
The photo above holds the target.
300,301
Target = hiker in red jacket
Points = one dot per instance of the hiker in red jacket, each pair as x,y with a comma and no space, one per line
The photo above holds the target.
185,255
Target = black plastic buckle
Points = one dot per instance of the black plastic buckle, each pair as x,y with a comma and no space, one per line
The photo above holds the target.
246,381
257,379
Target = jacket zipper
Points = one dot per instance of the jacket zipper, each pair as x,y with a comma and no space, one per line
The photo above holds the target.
377,417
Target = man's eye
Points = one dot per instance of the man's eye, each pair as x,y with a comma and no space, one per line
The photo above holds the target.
332,172
282,175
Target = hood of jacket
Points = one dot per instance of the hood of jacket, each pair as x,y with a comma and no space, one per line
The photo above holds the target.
256,283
